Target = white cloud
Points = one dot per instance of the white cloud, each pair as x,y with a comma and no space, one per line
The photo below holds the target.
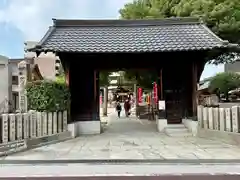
33,17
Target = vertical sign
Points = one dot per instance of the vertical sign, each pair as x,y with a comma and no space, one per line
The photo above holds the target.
4,128
155,94
22,67
139,95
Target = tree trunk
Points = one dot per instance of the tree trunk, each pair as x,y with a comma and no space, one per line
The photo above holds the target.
227,97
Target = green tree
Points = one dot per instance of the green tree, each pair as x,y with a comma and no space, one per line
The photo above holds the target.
143,78
221,16
48,96
104,78
224,82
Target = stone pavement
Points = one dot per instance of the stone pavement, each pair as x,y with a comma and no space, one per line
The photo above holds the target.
130,138
109,111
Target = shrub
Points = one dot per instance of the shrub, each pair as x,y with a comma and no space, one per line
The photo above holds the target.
60,79
48,96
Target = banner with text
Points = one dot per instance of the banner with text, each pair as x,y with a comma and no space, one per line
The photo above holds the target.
139,95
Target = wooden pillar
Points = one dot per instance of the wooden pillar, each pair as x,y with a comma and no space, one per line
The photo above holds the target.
194,90
162,113
135,92
83,88
96,95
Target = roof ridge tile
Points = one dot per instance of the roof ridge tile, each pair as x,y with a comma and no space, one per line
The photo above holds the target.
119,22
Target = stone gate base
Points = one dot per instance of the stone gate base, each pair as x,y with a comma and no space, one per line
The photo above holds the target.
84,128
191,125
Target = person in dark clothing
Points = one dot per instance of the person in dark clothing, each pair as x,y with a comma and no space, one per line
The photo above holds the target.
127,107
118,109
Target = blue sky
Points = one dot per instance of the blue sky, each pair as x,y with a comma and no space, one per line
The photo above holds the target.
22,20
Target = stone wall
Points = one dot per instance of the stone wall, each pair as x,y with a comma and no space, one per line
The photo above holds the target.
30,125
219,119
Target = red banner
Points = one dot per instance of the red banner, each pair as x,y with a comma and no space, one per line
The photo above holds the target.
139,95
155,93
100,99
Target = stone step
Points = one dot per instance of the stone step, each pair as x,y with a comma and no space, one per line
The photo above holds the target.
175,126
177,130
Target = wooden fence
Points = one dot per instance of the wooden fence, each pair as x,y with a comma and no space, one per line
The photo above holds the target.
30,125
220,119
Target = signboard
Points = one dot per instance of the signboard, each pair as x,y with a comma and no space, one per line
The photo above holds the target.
161,105
122,94
139,95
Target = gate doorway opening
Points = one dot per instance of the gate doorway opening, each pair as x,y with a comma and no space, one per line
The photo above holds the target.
175,84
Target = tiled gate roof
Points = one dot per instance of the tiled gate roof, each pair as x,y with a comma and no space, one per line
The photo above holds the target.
174,34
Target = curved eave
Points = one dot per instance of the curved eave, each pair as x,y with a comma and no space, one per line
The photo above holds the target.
45,50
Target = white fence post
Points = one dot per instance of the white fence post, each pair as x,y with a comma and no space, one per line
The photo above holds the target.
50,123
200,116
216,118
65,120
54,122
33,124
60,121
4,130
19,126
228,119
26,125
205,118
235,119
44,123
39,124
12,127
222,119
210,118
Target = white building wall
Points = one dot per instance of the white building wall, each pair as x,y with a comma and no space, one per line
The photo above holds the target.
5,83
46,61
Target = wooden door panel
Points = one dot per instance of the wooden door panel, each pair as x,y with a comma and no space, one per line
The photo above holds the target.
174,106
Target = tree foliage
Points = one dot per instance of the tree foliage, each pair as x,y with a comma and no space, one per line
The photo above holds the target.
221,16
48,96
104,79
143,78
224,82
61,79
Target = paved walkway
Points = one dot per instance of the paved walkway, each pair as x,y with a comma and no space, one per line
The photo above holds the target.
130,138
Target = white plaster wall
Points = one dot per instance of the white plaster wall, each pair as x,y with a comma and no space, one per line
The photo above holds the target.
5,81
46,62
14,69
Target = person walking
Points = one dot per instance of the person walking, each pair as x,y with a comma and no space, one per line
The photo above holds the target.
127,107
118,109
